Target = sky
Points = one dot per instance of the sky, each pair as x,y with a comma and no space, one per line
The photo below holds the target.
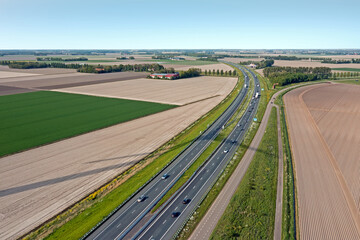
179,24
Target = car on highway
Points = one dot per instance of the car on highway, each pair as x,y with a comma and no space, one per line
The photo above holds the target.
233,141
226,151
141,198
175,214
165,176
186,200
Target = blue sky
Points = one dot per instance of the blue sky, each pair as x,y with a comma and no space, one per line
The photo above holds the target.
185,24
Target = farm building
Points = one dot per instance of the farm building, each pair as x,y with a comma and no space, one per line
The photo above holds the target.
252,65
177,58
165,75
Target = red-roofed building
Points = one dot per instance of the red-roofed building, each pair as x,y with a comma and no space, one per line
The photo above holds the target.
165,75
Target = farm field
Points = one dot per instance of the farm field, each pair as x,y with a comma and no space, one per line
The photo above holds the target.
33,119
8,74
46,71
284,63
162,91
215,66
68,80
325,135
57,175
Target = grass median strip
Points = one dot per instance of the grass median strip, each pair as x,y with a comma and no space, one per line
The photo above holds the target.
80,218
251,211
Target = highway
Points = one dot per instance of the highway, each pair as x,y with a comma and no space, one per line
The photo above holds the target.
123,220
164,225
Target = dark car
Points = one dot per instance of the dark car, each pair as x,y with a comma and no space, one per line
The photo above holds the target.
175,214
141,198
186,200
165,176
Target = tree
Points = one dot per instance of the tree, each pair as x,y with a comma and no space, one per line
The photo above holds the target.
205,72
213,73
217,72
234,73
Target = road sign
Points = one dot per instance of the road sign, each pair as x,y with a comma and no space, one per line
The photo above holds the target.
255,119
262,89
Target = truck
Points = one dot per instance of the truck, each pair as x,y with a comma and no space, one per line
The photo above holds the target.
256,95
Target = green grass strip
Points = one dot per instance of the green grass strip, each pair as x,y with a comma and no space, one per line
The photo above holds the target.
347,69
251,211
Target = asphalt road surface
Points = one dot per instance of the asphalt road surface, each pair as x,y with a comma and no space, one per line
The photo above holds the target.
167,222
127,216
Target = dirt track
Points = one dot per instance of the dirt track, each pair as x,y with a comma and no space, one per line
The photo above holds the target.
323,123
37,184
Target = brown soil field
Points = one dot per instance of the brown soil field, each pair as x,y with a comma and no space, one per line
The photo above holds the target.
69,80
177,92
39,183
6,74
45,71
283,63
324,129
5,90
216,66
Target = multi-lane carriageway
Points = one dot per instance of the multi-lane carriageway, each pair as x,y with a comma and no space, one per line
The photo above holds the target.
163,225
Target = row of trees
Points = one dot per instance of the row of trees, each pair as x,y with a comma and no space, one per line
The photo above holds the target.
192,72
220,73
340,61
153,67
29,65
61,59
125,58
121,68
261,64
345,74
288,75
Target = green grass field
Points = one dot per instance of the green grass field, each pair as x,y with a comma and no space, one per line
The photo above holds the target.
347,69
37,118
355,81
251,211
184,62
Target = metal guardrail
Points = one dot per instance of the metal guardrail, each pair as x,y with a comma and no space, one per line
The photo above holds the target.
157,174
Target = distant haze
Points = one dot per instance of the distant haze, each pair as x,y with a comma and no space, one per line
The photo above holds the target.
144,24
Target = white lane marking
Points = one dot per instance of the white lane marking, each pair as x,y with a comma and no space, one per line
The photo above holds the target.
164,222
132,212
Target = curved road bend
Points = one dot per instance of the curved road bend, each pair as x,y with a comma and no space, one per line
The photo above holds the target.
127,216
208,223
163,225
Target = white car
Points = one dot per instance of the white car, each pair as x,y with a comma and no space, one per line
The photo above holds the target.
226,151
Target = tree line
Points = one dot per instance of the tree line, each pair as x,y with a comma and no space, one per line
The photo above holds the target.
259,65
340,61
125,58
288,75
220,73
153,67
61,59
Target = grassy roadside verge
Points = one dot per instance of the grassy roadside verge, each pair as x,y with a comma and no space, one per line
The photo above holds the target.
251,211
204,156
230,168
81,217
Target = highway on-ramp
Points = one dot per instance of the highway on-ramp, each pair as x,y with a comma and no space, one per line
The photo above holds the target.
123,220
172,217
